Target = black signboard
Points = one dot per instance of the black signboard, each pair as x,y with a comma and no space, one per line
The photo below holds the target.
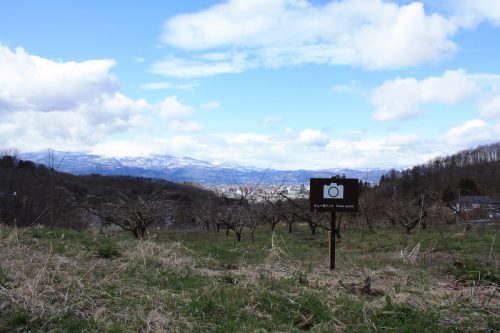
334,195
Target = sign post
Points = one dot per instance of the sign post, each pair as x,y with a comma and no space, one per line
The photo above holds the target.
331,244
333,195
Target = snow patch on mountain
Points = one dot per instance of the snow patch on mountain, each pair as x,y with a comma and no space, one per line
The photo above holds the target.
187,169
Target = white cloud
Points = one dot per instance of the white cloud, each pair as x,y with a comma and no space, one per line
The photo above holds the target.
287,151
491,107
169,85
401,140
212,105
246,138
470,133
65,105
403,98
29,82
372,34
253,149
176,116
312,137
77,128
185,126
171,108
156,86
74,105
404,36
475,11
177,67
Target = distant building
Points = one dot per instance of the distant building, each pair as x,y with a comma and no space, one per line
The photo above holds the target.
477,202
478,205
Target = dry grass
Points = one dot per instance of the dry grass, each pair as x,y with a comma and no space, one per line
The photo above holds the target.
53,285
149,284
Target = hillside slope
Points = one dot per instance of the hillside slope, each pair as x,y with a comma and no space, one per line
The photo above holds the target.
470,172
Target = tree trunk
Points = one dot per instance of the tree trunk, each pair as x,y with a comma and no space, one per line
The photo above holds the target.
139,231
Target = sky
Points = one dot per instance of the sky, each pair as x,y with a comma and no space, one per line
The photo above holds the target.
284,84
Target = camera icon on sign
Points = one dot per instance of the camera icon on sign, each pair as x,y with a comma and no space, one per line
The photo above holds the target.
333,191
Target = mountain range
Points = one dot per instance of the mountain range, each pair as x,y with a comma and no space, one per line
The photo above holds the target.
186,169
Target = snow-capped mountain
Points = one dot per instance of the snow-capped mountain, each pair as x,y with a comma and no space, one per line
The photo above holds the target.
186,169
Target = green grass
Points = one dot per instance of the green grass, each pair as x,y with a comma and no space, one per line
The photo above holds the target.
193,280
107,250
478,273
14,320
23,321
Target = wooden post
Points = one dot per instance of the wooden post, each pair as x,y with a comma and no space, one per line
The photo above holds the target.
332,241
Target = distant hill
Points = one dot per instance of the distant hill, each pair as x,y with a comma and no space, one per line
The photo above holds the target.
32,193
468,172
185,169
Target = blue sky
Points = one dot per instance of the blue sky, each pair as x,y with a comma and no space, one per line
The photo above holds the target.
271,83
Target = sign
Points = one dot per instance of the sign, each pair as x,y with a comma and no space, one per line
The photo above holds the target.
334,195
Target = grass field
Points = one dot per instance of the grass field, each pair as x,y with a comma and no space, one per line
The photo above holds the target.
196,281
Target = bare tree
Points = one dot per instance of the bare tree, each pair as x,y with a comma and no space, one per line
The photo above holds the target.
233,218
135,213
204,214
409,214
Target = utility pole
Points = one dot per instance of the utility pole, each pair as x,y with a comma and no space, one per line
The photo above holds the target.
459,203
422,197
394,197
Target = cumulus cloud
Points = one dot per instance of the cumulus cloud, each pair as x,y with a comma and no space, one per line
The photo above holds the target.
253,149
35,83
372,34
68,105
312,137
73,105
364,151
80,127
176,115
171,108
471,133
403,98
475,11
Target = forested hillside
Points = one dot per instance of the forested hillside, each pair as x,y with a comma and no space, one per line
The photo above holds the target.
470,172
32,193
